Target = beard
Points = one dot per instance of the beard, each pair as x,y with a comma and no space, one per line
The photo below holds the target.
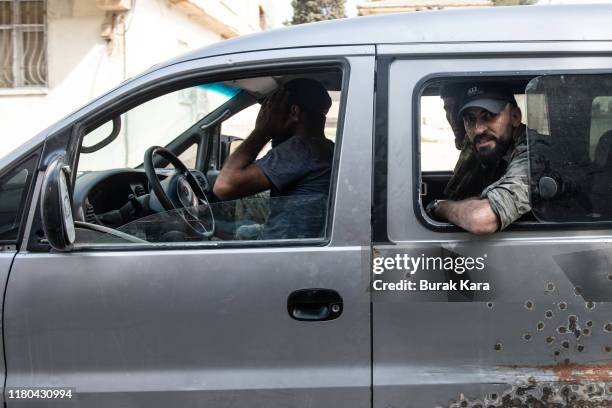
489,156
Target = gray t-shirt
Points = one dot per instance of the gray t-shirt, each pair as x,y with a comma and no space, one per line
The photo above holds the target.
299,170
299,166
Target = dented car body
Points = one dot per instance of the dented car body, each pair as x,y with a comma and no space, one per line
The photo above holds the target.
526,322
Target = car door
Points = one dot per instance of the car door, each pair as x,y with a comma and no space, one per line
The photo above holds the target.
539,334
16,175
206,326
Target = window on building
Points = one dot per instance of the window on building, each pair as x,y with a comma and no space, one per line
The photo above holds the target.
23,43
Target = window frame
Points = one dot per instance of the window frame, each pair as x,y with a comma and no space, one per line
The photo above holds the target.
26,198
154,89
17,58
445,227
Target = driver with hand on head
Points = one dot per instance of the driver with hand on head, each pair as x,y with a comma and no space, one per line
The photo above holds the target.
299,163
491,195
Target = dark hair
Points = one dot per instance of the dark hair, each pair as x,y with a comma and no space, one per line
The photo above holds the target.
309,94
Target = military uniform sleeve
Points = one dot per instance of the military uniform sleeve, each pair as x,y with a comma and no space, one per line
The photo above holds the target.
509,196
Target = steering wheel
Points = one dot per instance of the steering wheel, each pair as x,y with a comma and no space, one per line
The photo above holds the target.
189,193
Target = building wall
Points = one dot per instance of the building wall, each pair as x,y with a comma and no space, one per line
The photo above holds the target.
83,65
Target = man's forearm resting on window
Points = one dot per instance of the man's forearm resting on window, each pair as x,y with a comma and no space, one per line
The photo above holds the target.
239,177
473,215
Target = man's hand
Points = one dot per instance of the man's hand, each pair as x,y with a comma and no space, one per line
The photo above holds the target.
273,115
473,215
239,177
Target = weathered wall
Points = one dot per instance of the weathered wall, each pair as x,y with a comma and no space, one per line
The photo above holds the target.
82,65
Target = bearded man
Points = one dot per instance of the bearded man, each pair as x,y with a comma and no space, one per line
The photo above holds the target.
490,196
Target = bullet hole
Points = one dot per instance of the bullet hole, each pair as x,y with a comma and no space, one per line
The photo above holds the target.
608,327
580,348
550,287
590,305
493,396
464,404
578,291
561,329
557,352
610,277
572,323
589,323
490,305
586,332
549,314
498,347
577,333
608,349
562,305
550,340
541,326
565,344
529,305
527,336
566,361
565,392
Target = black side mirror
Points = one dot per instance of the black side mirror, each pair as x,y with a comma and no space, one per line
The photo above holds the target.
55,206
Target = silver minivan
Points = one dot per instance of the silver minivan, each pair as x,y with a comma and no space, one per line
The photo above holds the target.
127,283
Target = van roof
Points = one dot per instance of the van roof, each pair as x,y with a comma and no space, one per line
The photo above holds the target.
523,23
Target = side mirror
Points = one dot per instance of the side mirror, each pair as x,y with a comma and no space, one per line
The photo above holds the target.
55,206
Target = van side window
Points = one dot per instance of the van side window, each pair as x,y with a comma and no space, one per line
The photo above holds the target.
473,146
571,161
14,188
115,190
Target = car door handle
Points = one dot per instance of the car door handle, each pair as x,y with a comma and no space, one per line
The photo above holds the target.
314,304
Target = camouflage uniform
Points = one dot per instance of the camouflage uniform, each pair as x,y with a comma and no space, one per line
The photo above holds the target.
505,185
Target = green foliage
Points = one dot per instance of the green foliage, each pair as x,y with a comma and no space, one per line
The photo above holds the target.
308,11
512,2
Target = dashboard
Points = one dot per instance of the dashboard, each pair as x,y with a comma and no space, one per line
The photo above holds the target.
100,192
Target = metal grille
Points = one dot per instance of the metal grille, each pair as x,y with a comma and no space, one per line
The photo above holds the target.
23,43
